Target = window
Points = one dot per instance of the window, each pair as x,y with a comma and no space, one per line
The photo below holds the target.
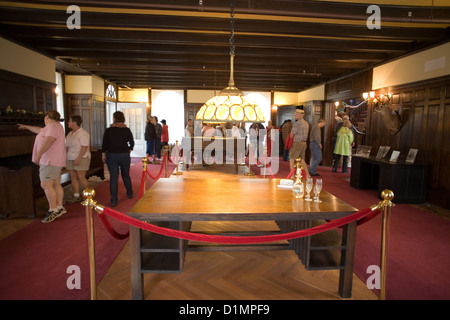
59,97
111,92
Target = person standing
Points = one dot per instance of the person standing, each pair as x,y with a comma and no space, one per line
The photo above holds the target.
165,134
117,145
189,130
78,156
315,144
343,147
269,137
150,138
158,129
286,129
300,134
221,131
253,143
49,153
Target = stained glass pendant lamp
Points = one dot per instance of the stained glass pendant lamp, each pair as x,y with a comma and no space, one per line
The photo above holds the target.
230,105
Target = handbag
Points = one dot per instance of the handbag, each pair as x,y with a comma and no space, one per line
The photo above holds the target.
289,141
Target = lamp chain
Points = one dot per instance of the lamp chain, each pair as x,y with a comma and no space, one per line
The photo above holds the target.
232,29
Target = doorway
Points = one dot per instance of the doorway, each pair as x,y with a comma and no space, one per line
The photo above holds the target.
135,119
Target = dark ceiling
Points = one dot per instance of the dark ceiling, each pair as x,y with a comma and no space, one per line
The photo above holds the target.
280,44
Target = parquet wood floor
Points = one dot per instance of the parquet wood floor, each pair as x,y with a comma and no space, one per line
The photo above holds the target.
240,275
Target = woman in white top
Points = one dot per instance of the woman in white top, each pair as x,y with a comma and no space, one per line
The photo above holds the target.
78,156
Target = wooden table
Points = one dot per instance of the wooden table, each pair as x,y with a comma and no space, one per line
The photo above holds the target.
177,201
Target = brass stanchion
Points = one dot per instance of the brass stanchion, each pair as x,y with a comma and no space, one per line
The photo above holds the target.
177,151
387,196
88,194
265,162
144,169
166,151
250,172
299,167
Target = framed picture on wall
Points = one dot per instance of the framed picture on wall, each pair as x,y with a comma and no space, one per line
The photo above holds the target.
394,156
411,157
382,152
385,151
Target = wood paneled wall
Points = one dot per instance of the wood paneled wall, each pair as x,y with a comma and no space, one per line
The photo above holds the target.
91,108
425,113
21,92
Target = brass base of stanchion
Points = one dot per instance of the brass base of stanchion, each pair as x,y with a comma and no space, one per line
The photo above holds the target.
177,173
250,173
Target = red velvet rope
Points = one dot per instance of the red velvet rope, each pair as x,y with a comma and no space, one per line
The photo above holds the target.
234,239
160,170
110,229
290,173
253,158
143,177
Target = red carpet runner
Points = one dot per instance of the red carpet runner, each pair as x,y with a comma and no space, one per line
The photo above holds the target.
34,260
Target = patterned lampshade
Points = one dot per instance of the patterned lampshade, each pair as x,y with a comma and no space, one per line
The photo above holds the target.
229,106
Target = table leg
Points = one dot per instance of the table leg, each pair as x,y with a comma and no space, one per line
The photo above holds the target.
137,288
347,260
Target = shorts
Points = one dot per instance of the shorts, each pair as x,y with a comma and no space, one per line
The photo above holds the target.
298,149
49,172
83,166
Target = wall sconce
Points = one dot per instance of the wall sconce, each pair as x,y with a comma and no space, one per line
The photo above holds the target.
392,120
382,99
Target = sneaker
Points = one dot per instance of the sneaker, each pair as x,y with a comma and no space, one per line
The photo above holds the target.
49,216
74,199
60,212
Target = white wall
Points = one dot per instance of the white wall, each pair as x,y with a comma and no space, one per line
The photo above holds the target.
428,64
169,105
311,94
18,59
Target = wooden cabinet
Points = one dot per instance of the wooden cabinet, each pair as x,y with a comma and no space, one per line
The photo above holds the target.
407,181
17,193
91,108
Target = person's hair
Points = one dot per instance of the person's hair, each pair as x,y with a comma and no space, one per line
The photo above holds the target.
321,120
53,114
118,116
76,118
